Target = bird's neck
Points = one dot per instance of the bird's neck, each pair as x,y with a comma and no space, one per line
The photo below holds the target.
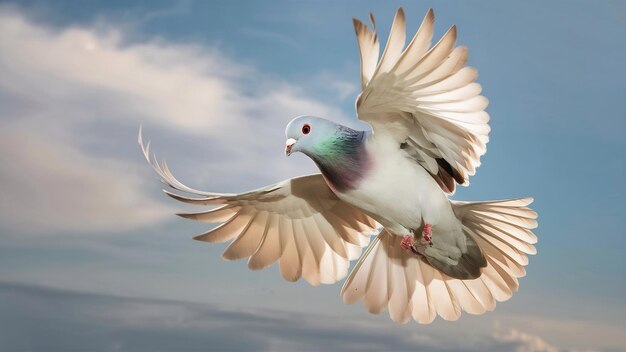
342,159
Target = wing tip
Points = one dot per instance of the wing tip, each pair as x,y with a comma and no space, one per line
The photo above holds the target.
400,13
190,216
173,195
139,135
373,21
453,30
290,278
229,256
357,24
254,266
200,238
429,18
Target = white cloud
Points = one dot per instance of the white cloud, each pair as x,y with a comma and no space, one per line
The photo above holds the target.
51,187
145,324
72,98
135,323
345,90
570,334
526,342
178,85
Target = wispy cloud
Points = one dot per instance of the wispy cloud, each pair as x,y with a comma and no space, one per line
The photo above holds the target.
50,187
527,342
65,320
72,99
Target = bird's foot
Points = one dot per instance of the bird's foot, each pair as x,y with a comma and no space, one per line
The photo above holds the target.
427,234
410,244
407,242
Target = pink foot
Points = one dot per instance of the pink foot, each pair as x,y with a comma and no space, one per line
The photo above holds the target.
407,242
428,234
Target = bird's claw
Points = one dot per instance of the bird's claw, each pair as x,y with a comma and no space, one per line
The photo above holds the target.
407,242
427,234
410,244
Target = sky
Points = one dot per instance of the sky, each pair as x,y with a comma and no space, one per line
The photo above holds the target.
93,258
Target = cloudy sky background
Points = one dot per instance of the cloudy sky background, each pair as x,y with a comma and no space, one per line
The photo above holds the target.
92,257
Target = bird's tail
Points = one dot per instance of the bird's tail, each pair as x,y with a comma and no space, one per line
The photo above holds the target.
388,276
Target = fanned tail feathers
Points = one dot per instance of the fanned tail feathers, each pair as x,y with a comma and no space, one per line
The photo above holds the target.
387,276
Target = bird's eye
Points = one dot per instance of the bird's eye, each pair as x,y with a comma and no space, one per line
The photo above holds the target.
306,129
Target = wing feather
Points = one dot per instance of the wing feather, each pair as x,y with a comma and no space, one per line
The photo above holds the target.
290,259
268,251
427,92
377,285
228,230
395,44
298,222
248,239
387,276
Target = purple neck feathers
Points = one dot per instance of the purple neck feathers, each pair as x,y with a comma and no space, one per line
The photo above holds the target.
343,159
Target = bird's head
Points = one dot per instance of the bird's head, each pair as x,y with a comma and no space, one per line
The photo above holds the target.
306,134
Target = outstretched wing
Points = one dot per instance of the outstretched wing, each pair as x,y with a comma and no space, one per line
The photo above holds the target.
299,222
425,99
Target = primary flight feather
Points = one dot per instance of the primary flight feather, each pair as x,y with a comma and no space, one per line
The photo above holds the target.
433,256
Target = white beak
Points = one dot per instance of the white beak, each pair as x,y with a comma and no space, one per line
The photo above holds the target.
288,145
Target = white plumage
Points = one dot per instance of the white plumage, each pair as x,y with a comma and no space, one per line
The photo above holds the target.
424,97
388,277
298,222
429,130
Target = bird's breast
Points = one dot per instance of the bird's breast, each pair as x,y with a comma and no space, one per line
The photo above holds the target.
397,192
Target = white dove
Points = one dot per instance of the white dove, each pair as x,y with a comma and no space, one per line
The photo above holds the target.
433,256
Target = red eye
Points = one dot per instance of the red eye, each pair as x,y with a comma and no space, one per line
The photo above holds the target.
306,129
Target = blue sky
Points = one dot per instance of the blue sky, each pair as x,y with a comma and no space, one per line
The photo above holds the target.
84,224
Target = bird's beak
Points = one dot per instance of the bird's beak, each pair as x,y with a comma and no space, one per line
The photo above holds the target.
289,145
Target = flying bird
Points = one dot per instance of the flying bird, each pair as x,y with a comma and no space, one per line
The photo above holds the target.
430,255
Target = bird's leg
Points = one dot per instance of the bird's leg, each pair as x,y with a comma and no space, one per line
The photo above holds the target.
427,234
408,243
